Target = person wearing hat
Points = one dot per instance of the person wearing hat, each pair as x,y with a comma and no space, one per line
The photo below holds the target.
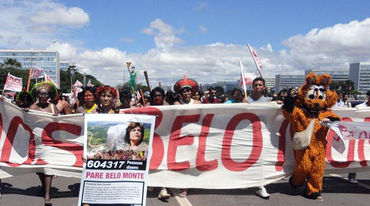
185,88
44,92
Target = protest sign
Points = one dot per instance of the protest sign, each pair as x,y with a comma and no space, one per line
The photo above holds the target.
211,146
116,151
13,83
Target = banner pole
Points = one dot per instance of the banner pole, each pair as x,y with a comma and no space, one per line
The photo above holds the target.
243,78
29,80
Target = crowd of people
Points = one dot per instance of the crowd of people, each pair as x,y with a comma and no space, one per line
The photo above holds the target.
106,99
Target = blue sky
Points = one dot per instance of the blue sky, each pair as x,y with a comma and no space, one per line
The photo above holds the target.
203,39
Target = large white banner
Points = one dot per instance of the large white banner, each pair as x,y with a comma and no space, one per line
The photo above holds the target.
194,146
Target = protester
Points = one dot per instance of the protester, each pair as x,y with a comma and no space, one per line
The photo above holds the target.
172,97
257,96
157,96
211,99
43,92
106,96
197,95
24,99
63,106
258,93
352,176
280,97
87,99
185,88
237,96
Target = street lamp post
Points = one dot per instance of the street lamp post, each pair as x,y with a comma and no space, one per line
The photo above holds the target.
72,70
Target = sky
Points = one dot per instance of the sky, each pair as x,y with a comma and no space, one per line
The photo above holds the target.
204,40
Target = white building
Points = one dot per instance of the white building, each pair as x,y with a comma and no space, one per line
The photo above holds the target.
46,60
359,73
336,75
283,81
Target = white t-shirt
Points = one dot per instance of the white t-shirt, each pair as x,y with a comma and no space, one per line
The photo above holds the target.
261,99
363,105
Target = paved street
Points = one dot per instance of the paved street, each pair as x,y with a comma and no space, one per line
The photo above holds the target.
24,190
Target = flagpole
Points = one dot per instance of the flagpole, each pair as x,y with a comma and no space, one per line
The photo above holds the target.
243,78
258,69
29,80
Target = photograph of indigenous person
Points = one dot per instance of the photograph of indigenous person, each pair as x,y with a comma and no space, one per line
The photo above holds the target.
117,140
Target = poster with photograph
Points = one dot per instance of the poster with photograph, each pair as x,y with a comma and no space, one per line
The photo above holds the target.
117,150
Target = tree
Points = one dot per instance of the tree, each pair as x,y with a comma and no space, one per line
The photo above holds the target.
11,63
347,87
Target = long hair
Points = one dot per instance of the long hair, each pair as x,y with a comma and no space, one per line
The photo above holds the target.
157,89
130,127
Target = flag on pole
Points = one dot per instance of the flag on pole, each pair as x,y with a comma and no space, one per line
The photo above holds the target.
37,73
256,59
13,83
78,86
243,78
49,79
89,84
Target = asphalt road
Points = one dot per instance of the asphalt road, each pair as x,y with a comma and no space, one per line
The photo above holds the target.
24,190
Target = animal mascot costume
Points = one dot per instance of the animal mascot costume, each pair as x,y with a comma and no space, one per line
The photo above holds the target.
306,111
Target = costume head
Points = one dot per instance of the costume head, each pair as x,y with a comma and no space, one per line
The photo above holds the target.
48,86
315,94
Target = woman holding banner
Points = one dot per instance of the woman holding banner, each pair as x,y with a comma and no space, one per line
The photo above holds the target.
107,96
43,92
87,98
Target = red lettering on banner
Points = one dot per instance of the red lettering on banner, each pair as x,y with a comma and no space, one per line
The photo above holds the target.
201,163
257,142
351,149
8,144
175,141
282,143
157,144
47,140
361,148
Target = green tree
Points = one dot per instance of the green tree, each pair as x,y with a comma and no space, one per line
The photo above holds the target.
11,63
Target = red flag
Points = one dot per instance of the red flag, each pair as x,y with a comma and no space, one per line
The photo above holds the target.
256,59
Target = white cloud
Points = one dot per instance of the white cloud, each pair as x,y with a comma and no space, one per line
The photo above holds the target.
61,15
36,23
164,34
203,29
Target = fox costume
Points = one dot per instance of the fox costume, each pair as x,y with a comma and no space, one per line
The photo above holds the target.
305,111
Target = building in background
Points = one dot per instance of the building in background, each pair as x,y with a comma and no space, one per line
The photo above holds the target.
46,60
226,85
270,84
336,75
64,65
359,73
283,81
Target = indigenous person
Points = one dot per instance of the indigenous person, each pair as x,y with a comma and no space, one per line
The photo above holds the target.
63,106
43,92
157,97
185,88
125,98
172,97
237,96
258,93
87,99
107,97
211,99
23,100
197,95
257,96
